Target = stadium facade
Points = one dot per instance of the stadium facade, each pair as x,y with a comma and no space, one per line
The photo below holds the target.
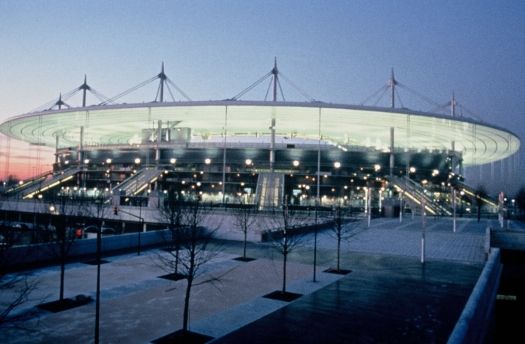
257,152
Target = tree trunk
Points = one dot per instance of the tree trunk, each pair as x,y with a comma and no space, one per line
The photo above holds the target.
284,272
479,213
186,313
245,239
338,252
176,261
97,304
62,268
191,275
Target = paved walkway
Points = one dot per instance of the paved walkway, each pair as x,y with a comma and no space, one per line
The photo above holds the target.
137,306
388,236
384,300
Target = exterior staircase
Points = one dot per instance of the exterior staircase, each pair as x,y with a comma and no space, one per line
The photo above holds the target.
270,190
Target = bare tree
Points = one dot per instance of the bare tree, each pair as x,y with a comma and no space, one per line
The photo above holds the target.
63,239
193,240
97,210
481,194
16,285
283,239
171,212
339,218
244,218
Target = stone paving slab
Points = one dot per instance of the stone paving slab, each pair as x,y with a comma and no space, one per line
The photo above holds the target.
222,323
137,306
385,300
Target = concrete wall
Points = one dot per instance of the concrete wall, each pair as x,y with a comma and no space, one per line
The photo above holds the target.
46,253
223,225
507,239
476,318
223,221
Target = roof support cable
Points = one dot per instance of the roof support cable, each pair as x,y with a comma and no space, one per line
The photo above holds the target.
65,96
385,90
44,107
249,88
69,94
471,113
421,96
169,91
298,89
440,108
178,89
399,100
134,88
158,93
382,89
268,89
281,89
99,95
49,105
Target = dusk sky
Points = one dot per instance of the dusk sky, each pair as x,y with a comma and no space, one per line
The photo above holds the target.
336,51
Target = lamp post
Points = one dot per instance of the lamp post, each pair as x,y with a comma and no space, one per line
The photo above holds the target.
140,229
141,219
108,172
423,230
97,304
318,175
453,194
401,206
137,163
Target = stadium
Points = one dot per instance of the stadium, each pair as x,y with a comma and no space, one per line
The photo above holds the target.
260,153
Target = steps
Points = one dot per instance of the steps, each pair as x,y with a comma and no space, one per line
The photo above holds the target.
270,190
415,194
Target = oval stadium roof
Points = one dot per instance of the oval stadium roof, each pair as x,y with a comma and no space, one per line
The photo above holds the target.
353,126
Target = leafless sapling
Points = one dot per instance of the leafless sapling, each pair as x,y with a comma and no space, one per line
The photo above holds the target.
244,218
283,237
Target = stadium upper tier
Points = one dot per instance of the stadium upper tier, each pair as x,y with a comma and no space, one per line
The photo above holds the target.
344,125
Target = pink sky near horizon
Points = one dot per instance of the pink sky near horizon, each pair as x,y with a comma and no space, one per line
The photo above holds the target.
22,160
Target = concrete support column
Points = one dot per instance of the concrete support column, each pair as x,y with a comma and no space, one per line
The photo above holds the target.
453,194
56,149
80,155
401,206
272,145
423,230
391,151
453,163
158,141
225,132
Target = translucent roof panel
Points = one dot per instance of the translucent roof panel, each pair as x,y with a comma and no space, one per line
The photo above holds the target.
353,126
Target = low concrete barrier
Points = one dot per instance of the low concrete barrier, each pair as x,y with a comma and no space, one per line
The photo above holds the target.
507,239
20,256
277,233
476,317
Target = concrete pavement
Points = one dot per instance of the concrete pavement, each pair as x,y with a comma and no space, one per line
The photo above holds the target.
137,306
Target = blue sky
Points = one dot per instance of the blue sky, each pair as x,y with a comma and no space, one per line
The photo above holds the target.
337,51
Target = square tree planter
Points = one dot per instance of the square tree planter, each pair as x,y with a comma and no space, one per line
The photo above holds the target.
242,259
173,276
338,272
65,304
181,336
95,262
286,296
